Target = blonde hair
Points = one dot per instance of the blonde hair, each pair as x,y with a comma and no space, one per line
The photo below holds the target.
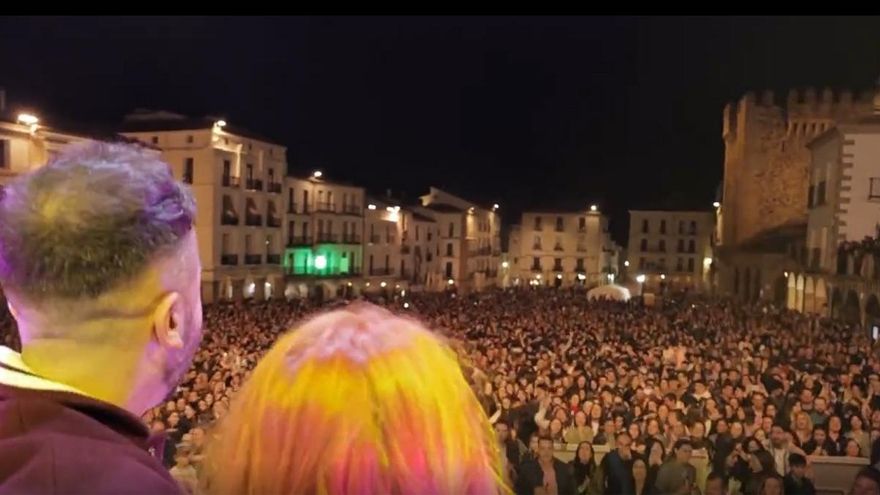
356,401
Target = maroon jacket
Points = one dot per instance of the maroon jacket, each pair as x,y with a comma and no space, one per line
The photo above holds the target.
57,442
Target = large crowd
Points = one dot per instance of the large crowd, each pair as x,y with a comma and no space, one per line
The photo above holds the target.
756,390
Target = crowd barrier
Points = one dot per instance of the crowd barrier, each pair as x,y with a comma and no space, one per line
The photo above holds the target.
832,475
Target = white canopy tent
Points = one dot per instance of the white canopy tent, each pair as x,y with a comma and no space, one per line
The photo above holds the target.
611,291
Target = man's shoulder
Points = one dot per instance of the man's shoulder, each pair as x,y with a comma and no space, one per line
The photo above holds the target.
46,447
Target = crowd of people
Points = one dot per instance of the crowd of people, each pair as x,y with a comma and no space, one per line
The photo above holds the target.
99,262
755,390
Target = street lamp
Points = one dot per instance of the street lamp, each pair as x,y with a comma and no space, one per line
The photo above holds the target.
716,204
593,208
641,280
626,263
317,174
504,264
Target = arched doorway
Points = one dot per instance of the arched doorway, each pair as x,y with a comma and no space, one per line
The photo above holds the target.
872,316
780,290
821,297
799,294
851,312
809,295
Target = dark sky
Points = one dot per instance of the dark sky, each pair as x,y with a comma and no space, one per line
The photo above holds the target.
624,112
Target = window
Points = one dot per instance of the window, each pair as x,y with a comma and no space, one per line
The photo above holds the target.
645,226
691,246
449,249
538,223
641,263
644,245
662,226
537,245
305,229
417,232
448,269
188,170
662,246
693,230
155,140
680,245
873,187
451,230
430,235
536,263
291,228
4,153
227,168
271,175
371,263
290,200
820,194
580,264
681,227
388,263
557,264
690,264
679,265
250,171
582,224
810,193
559,224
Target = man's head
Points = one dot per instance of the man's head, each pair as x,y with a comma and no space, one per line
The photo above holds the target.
502,431
99,261
683,450
798,464
777,436
545,449
715,484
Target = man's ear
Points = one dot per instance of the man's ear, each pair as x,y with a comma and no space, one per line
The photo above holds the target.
168,321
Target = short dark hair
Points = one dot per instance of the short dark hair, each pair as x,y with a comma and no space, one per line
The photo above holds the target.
681,442
796,460
89,220
545,438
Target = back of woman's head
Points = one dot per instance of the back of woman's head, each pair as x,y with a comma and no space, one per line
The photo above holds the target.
356,400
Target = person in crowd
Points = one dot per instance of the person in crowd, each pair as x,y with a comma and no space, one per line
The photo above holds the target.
100,269
615,470
583,468
796,481
358,400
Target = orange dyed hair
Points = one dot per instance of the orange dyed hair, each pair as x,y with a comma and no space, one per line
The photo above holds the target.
356,401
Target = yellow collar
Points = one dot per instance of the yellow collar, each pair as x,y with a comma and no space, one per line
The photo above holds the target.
17,374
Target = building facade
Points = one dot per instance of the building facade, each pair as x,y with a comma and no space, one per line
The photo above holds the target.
469,239
563,248
763,210
841,276
671,248
236,178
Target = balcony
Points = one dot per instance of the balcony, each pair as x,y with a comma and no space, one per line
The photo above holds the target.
229,259
253,259
405,249
374,239
351,239
537,268
351,210
229,220
273,259
274,187
253,185
557,268
580,269
558,247
326,237
381,272
536,247
582,249
273,222
291,208
325,206
302,240
254,220
230,181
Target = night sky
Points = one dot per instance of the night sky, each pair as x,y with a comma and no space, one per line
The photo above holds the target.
527,112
